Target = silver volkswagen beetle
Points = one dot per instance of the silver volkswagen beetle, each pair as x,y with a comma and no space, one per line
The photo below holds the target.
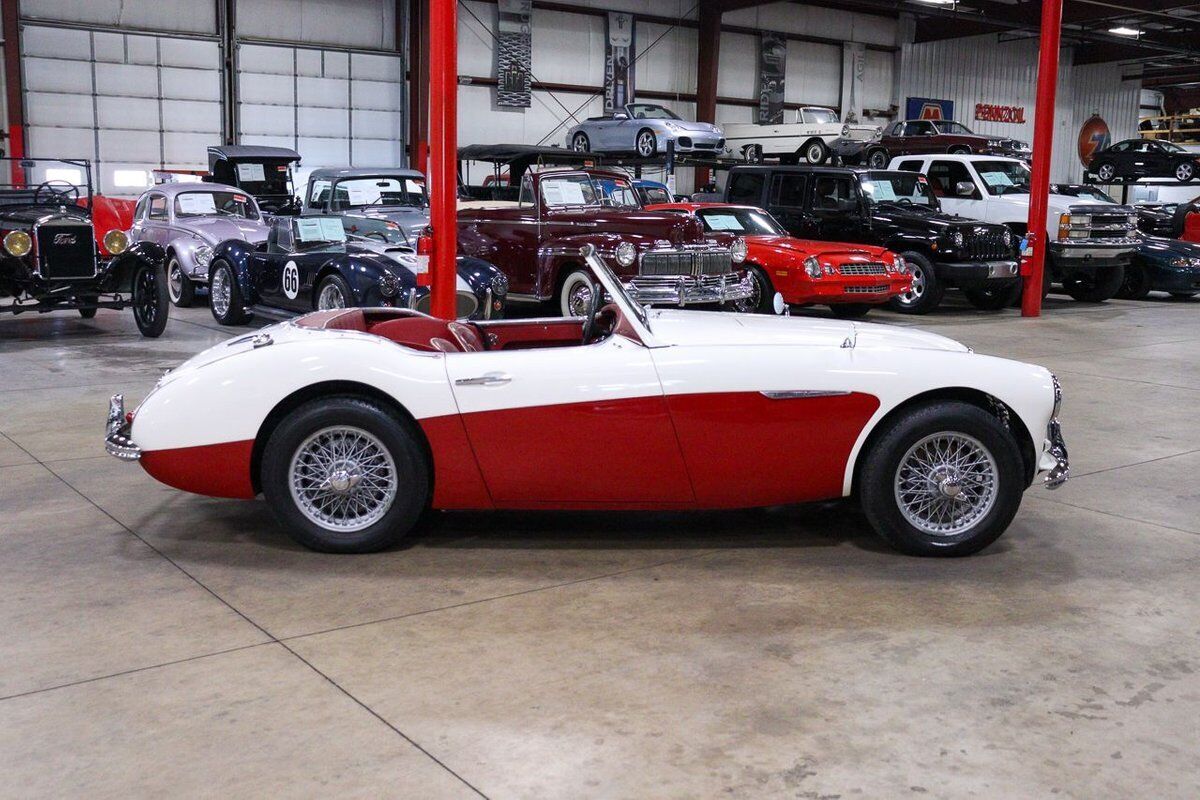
645,129
188,220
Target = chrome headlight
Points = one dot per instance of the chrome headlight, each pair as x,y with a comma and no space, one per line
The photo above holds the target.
499,285
18,243
846,129
389,284
202,255
671,126
738,250
626,254
812,267
116,242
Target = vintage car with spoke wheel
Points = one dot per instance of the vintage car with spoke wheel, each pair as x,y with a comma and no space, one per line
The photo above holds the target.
311,263
51,261
352,423
850,279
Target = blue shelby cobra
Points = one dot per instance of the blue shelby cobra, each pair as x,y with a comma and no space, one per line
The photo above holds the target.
1163,265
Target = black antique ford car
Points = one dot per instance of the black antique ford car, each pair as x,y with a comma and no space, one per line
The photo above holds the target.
50,259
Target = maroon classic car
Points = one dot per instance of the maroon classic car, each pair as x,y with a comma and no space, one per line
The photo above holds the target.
662,258
920,136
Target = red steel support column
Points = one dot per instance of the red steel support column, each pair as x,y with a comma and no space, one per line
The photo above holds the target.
14,89
1043,140
707,57
443,154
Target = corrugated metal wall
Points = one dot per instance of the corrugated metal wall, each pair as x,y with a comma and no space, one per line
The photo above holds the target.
984,69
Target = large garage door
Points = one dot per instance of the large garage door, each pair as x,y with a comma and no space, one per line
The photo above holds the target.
335,107
128,102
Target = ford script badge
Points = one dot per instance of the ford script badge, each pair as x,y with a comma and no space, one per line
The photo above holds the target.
64,239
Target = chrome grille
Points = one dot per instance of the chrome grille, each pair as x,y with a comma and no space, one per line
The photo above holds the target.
869,268
674,262
876,289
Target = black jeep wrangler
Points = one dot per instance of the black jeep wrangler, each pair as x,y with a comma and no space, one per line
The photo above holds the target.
50,259
891,209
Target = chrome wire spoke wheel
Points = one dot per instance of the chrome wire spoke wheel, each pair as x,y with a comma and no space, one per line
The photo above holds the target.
946,483
219,292
343,479
331,297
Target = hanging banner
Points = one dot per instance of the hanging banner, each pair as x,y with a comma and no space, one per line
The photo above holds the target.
618,62
928,108
514,54
772,67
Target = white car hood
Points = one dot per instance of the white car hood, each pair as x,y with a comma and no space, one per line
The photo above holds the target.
707,328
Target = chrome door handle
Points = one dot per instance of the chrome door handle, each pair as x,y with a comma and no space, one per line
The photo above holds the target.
490,379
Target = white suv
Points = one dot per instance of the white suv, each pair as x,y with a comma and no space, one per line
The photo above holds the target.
1089,240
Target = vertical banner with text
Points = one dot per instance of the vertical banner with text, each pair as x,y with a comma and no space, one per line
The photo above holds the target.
618,62
514,54
772,69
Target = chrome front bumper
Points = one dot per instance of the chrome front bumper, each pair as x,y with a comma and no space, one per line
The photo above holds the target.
116,432
1056,448
683,290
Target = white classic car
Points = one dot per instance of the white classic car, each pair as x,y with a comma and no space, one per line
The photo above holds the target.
353,422
806,133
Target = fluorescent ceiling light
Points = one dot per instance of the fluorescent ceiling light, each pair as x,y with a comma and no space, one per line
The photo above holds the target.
938,2
1125,31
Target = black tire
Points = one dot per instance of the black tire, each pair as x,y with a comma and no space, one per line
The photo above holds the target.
1185,172
994,298
580,143
233,310
877,479
763,300
645,144
815,151
88,313
330,284
850,310
1183,295
1101,285
181,290
390,432
752,153
878,159
1136,285
927,289
959,150
151,304
1105,171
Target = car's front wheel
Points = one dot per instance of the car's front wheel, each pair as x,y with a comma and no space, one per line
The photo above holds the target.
1136,285
1106,172
993,298
150,301
580,143
942,479
646,144
345,475
1185,172
1096,287
762,294
816,151
333,293
926,291
225,296
575,296
179,287
877,159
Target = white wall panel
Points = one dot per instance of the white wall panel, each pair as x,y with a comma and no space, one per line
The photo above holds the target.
814,74
738,75
176,16
666,58
346,23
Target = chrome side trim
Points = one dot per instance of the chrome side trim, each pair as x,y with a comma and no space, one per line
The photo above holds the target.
800,394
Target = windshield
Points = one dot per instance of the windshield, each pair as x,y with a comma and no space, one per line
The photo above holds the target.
1003,177
649,111
1081,191
261,178
1171,147
945,126
655,194
371,191
210,204
319,234
751,221
897,188
584,190
821,116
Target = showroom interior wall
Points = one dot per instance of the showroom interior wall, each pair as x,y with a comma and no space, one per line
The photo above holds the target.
986,69
137,84
568,48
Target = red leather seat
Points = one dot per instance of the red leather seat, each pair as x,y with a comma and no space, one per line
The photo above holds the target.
419,333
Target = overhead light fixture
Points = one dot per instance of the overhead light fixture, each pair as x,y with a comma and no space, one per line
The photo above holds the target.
938,2
1125,31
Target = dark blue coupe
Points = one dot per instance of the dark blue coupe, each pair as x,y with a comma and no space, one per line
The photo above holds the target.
1163,265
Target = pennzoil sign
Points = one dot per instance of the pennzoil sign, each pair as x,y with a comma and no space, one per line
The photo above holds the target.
986,112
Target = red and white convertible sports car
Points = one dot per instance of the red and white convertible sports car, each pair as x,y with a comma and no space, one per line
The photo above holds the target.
352,422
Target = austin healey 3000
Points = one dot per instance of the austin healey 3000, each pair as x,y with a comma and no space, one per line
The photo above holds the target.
353,422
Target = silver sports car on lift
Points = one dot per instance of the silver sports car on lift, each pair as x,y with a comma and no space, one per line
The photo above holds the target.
645,129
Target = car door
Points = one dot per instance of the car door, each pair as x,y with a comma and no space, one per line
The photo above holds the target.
945,175
562,426
1159,163
920,137
155,227
835,207
138,227
891,140
786,204
276,271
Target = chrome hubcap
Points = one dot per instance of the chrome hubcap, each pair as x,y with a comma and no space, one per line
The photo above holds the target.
581,143
946,483
646,144
331,297
175,280
219,292
579,298
343,479
918,287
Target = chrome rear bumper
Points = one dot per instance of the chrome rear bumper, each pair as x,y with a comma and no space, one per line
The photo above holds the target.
116,435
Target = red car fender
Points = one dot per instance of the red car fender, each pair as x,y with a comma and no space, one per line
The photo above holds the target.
109,213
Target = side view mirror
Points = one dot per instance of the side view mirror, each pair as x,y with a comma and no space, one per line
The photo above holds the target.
620,115
964,189
781,308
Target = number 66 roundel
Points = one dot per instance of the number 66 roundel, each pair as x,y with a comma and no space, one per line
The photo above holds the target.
291,280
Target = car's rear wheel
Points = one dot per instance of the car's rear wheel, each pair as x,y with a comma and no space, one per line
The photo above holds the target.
942,479
225,299
1097,287
925,293
333,293
580,143
850,310
1106,172
877,159
1185,172
816,151
1136,285
762,294
150,301
646,144
959,150
179,287
993,298
345,475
